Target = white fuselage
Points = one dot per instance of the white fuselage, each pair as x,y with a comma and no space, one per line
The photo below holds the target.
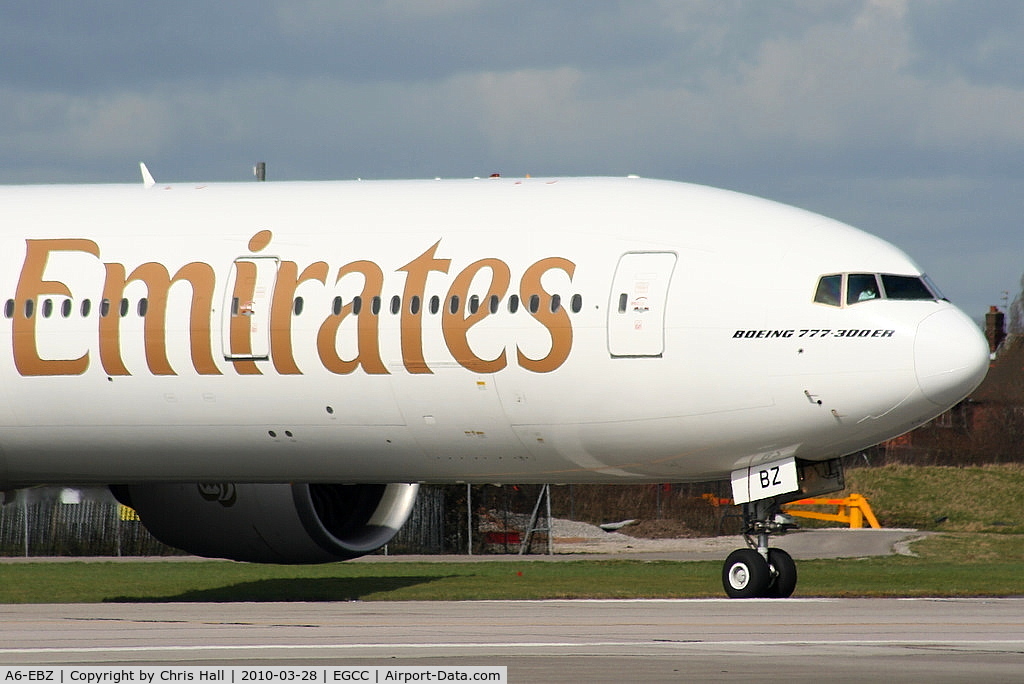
685,341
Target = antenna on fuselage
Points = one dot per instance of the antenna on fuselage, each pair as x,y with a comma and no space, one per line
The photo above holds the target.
147,177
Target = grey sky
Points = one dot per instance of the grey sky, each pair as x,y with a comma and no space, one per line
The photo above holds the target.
903,118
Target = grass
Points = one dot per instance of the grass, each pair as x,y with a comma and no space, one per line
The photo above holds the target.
973,499
224,581
964,564
946,565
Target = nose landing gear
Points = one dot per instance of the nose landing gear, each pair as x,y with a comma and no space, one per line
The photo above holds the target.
760,571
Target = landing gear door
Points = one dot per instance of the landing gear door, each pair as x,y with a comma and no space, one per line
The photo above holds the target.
636,308
765,481
245,331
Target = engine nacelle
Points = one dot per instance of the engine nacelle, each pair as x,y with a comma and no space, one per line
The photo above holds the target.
272,523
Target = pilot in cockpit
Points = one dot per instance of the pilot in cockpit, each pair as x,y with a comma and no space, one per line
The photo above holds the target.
868,292
861,287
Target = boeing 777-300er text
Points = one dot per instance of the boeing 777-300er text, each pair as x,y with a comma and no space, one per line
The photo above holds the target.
267,371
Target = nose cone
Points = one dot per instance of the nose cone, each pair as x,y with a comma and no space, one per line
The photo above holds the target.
950,356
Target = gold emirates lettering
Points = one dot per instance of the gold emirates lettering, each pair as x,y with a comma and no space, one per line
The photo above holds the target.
455,324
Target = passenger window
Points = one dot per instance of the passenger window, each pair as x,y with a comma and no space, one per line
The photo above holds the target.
905,287
375,306
396,304
453,305
298,305
513,303
577,303
534,303
556,303
494,304
414,305
30,307
357,304
829,288
143,306
65,308
474,304
435,304
9,309
336,306
86,307
105,308
47,308
124,307
861,287
623,300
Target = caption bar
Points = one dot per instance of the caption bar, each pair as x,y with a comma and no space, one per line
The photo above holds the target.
254,675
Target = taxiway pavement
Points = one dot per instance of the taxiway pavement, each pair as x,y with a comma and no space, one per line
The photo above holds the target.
552,641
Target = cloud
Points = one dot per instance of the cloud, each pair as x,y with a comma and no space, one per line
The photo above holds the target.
978,41
897,116
736,89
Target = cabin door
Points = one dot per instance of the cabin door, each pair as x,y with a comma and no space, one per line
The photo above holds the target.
246,320
636,307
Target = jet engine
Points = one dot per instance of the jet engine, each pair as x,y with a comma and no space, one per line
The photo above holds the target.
272,523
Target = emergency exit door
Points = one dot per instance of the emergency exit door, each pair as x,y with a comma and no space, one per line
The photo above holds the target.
636,308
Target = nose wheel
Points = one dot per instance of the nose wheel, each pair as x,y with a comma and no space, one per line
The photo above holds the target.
746,574
759,571
783,571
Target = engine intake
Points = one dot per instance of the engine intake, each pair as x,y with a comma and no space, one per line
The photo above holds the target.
272,523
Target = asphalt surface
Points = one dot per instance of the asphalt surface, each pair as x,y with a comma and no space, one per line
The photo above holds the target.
548,641
802,545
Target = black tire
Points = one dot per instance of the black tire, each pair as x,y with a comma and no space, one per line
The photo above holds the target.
783,571
745,574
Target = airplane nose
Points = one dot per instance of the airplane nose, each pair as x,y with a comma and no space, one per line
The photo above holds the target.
951,356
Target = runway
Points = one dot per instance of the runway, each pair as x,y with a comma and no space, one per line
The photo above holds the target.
643,640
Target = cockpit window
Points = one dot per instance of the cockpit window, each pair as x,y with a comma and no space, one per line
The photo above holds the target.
860,287
936,292
847,289
905,287
829,290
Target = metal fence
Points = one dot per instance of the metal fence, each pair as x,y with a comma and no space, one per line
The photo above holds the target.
90,522
424,531
445,519
73,522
